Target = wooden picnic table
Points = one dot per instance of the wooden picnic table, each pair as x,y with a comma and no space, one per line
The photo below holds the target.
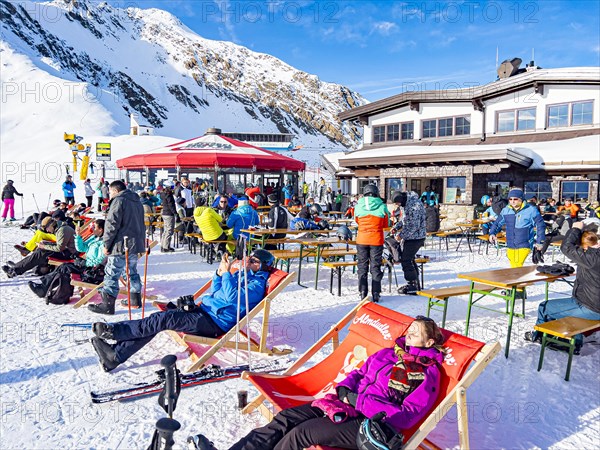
262,234
318,243
510,280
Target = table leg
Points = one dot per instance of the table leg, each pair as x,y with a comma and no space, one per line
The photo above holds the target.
445,311
318,264
300,266
513,294
331,281
469,308
541,361
339,275
571,350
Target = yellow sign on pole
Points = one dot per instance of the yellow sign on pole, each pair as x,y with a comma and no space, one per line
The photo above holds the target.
103,151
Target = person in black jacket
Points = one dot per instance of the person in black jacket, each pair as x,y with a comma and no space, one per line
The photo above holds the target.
169,211
8,197
277,218
125,219
585,300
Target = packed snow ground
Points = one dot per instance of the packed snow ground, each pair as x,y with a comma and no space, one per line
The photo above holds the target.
46,373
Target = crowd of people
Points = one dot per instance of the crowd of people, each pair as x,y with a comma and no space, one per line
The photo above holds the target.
113,245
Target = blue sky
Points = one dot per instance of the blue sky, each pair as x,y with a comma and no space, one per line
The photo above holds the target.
381,48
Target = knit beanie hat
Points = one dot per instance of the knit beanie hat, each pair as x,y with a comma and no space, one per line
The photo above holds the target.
516,193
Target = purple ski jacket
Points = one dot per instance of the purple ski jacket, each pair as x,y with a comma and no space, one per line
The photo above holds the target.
370,382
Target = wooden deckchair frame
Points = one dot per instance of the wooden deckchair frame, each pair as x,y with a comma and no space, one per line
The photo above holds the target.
457,396
228,339
94,288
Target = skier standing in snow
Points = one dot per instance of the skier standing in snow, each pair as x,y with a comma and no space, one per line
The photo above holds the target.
8,197
213,317
125,219
89,192
68,187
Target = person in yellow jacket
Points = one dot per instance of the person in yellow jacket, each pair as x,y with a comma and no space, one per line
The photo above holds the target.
212,228
372,216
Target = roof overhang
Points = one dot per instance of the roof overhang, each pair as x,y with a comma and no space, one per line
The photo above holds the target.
417,157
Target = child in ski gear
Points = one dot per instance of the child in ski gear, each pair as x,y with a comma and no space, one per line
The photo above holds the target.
521,219
372,216
402,382
215,315
8,198
125,218
582,248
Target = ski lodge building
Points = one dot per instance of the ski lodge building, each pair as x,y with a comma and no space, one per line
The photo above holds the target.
535,128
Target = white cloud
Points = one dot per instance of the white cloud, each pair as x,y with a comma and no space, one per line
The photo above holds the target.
385,28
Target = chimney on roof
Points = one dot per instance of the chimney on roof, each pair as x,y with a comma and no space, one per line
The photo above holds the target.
213,131
509,68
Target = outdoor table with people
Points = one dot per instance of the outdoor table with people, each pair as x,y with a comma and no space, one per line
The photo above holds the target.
508,281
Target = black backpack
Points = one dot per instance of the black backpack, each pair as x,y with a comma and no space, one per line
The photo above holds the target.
60,290
498,204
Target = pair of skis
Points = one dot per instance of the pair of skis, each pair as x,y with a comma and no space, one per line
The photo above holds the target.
210,374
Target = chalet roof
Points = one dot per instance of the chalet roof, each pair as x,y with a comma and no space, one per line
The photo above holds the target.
478,94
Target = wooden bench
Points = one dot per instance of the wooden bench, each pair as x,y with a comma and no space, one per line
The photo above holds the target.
445,234
562,332
440,296
486,238
206,247
337,268
286,256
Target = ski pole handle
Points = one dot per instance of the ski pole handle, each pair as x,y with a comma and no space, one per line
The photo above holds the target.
163,434
172,384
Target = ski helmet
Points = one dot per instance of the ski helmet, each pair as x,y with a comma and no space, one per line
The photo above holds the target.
344,233
401,198
485,199
266,258
370,190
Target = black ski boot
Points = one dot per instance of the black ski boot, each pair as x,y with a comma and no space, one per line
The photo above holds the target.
38,289
106,353
411,288
106,307
362,295
103,330
136,300
376,297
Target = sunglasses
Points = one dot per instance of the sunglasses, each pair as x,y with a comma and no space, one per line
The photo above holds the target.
222,201
253,260
513,198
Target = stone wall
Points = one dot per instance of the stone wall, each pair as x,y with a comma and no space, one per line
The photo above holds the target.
455,213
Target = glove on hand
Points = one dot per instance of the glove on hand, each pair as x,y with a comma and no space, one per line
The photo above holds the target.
537,257
186,303
334,408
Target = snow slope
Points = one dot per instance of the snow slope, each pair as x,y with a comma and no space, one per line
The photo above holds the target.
46,374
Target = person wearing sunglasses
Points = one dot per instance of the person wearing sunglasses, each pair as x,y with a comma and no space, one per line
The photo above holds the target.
212,317
525,227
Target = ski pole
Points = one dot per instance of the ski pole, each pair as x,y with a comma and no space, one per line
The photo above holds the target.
22,211
36,205
127,274
48,202
163,434
145,277
168,397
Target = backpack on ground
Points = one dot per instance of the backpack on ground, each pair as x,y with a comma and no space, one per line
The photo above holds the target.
60,290
498,204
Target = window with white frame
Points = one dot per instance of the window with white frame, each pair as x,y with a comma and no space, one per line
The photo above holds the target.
577,190
539,189
408,130
462,126
445,127
582,113
429,128
515,120
379,134
570,114
393,132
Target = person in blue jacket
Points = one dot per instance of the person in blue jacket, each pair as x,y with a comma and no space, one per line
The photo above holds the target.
524,227
242,217
68,187
214,316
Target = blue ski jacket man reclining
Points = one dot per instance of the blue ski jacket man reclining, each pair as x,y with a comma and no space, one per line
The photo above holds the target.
212,318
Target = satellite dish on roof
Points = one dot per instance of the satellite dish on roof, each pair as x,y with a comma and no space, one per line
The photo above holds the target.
508,68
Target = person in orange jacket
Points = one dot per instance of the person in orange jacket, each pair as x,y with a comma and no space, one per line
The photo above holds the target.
372,216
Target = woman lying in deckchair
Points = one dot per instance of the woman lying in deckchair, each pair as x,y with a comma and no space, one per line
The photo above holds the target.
395,388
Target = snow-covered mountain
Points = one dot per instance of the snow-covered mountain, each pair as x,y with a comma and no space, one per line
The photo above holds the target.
118,61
